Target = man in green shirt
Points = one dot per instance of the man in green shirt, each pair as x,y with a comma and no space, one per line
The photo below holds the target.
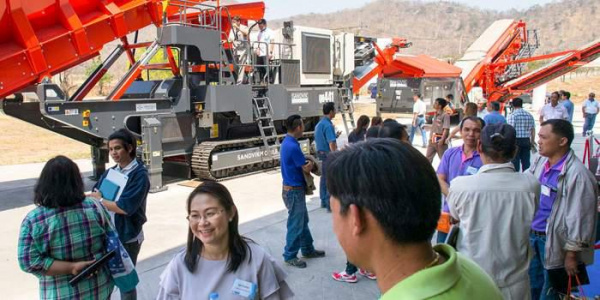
397,216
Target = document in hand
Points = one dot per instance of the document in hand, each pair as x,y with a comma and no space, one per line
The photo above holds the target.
109,190
119,179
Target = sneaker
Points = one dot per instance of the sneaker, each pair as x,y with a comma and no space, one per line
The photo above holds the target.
343,277
314,254
296,262
367,274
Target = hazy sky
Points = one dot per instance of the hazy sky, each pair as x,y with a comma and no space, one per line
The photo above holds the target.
277,9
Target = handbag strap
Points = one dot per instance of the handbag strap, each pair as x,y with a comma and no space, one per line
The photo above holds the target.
102,213
570,286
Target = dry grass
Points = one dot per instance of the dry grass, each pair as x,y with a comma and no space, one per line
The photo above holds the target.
21,143
579,87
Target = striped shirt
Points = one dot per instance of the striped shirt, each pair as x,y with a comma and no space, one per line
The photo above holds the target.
522,121
70,234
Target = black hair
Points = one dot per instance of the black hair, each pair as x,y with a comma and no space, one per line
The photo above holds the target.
517,102
417,94
450,96
567,95
501,148
441,102
372,132
328,107
473,119
561,128
495,106
406,205
128,139
393,129
555,93
361,124
262,21
293,122
238,245
59,185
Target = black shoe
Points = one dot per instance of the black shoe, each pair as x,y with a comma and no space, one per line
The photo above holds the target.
314,254
296,262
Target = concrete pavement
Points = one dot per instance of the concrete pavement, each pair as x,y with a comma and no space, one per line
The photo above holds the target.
262,218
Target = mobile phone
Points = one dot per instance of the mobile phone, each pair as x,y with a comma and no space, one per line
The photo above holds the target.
92,268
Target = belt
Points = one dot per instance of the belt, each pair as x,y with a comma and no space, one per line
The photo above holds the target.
420,116
538,233
287,188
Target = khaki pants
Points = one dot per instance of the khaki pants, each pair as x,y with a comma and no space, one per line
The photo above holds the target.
434,148
517,291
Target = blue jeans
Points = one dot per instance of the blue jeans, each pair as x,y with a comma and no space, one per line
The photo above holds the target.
323,193
133,249
420,122
523,157
298,235
590,120
538,276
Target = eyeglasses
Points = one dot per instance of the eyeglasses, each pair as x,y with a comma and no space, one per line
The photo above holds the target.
210,215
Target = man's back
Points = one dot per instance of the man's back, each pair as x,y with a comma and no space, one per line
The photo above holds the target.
324,134
494,118
522,121
495,208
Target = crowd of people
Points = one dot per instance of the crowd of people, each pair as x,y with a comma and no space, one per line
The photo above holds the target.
487,224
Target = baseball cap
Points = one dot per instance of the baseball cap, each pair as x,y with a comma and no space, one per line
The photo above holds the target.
498,136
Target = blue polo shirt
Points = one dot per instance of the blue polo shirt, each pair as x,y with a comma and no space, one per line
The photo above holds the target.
292,160
455,163
324,134
570,108
494,118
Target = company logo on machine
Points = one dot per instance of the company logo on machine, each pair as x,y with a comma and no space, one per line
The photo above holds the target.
257,153
326,97
299,98
142,107
398,83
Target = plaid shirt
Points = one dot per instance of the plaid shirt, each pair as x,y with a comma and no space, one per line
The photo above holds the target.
522,121
70,234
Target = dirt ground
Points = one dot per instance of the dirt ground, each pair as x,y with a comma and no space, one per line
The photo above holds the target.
22,143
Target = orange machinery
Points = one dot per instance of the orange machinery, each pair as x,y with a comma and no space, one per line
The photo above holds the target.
496,61
44,37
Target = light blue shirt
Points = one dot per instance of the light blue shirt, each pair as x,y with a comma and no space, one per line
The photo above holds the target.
569,107
494,118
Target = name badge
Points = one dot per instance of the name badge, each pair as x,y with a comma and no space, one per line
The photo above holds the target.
472,170
546,190
244,289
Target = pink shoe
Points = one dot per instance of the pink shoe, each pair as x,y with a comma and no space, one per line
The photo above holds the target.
343,277
367,274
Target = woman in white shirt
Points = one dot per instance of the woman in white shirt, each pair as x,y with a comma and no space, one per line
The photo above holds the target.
217,259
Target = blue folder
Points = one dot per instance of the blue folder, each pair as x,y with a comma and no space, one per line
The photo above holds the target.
109,190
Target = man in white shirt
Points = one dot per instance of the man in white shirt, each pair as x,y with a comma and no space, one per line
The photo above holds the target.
264,51
238,37
590,110
495,208
418,122
553,110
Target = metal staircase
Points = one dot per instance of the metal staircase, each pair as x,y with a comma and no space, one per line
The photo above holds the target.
527,50
347,109
264,119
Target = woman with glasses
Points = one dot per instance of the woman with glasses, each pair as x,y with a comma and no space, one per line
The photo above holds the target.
217,259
